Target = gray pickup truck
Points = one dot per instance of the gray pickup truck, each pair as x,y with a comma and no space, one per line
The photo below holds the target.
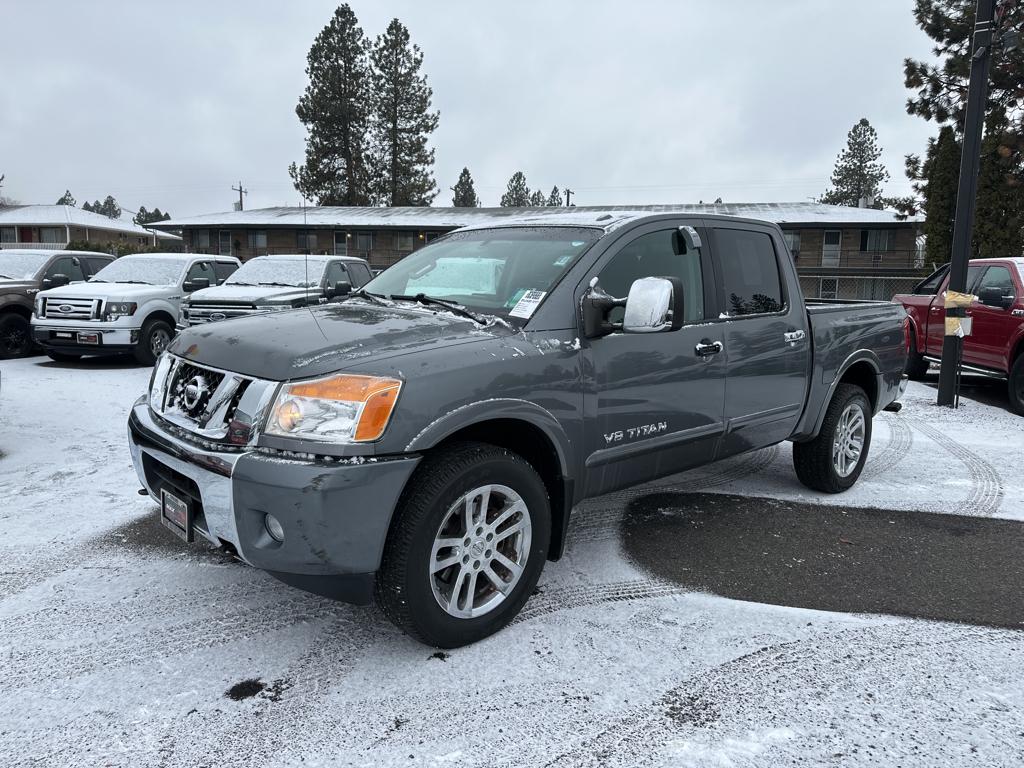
425,440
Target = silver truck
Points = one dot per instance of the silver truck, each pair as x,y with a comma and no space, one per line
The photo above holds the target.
129,306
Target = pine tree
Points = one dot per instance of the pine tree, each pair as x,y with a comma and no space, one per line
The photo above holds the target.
941,174
333,109
537,198
939,93
517,195
109,208
87,206
141,216
555,198
401,160
66,199
464,193
857,173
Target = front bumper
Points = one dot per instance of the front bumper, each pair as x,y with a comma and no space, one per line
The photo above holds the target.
64,337
335,516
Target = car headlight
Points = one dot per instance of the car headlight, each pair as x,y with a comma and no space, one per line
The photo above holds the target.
37,307
115,310
340,409
271,307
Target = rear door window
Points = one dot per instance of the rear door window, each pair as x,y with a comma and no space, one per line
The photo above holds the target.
95,263
360,274
224,270
749,271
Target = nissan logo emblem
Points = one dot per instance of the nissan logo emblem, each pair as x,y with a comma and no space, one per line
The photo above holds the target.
194,392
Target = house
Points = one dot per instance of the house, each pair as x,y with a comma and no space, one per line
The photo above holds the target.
840,252
54,226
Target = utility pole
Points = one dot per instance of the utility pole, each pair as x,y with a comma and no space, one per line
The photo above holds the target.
568,197
963,224
240,192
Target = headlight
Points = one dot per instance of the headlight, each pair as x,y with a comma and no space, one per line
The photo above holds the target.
271,307
37,307
339,409
115,310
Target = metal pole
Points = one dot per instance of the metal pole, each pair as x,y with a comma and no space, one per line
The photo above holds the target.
963,225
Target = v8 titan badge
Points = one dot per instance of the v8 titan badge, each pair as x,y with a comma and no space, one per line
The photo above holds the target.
527,304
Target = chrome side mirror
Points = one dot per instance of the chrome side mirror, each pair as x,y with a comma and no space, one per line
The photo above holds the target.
654,305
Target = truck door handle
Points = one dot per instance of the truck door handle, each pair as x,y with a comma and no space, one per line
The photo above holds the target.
708,348
793,336
936,309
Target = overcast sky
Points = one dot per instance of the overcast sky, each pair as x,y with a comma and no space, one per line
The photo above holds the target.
170,105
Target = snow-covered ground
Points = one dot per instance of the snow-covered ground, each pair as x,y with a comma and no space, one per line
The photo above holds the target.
118,645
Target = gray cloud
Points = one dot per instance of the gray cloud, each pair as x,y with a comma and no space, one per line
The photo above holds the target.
640,102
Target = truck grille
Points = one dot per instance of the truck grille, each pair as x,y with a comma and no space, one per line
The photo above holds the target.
199,313
56,308
212,404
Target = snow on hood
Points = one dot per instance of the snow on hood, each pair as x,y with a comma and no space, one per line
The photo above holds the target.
115,291
252,294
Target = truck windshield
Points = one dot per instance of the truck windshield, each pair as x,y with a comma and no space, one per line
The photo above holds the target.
21,266
505,272
150,270
300,271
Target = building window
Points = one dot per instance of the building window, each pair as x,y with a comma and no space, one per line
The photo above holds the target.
432,236
876,240
224,242
52,235
404,241
305,241
201,239
8,235
258,241
341,244
828,288
364,242
793,243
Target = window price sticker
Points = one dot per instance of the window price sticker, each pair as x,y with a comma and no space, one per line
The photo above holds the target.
527,304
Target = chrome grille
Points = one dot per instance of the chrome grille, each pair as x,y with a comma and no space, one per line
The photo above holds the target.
212,404
56,308
198,314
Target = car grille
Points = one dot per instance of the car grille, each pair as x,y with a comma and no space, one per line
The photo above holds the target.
56,308
198,314
210,404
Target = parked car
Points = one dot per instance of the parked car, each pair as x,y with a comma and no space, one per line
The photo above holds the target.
130,305
23,273
428,448
270,283
995,346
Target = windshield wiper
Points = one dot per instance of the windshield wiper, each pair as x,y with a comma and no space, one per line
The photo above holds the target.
6,277
235,282
458,309
286,285
376,298
94,280
135,282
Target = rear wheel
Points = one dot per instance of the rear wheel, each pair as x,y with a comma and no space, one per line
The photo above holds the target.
917,366
1015,385
466,547
62,357
153,340
833,460
15,336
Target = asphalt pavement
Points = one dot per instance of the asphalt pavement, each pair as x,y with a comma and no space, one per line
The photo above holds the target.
920,564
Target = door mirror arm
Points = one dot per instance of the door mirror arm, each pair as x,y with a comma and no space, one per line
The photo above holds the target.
595,306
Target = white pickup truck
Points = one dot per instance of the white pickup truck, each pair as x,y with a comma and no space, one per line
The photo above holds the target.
130,306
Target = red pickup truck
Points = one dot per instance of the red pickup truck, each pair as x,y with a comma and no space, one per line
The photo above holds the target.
996,344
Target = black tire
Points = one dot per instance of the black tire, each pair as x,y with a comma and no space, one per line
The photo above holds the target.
405,584
1015,385
917,366
813,460
62,357
15,336
148,348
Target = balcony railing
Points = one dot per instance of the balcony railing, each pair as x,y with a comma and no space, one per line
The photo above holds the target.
862,261
378,257
35,246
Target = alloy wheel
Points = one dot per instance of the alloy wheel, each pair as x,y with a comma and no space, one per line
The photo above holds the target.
848,443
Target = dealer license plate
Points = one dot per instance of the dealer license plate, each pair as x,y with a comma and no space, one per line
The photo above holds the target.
88,338
63,335
176,514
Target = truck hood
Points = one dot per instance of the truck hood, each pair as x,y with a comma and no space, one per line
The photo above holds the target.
17,286
253,294
111,291
303,343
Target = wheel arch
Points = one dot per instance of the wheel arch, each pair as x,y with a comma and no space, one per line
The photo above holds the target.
161,313
862,369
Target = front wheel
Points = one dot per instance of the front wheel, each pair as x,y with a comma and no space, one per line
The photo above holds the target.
833,460
153,340
1015,385
466,547
15,336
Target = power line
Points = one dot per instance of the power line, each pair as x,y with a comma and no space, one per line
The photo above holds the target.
241,191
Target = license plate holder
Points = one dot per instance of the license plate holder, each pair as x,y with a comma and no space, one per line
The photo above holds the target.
88,338
63,335
176,514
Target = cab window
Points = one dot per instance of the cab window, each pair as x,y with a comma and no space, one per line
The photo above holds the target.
997,277
657,254
68,266
201,269
749,272
336,272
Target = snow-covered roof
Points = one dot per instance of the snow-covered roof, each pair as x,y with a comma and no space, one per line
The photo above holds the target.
69,215
806,213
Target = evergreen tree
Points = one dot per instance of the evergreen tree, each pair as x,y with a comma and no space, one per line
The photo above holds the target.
464,193
402,122
517,194
109,208
857,173
555,198
87,206
141,216
941,172
66,199
939,93
333,110
537,198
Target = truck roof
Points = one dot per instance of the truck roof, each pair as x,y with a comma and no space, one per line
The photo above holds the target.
53,252
606,220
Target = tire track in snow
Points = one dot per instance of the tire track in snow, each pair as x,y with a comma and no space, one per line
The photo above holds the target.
554,600
901,439
987,490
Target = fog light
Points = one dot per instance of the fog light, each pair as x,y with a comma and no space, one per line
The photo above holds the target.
273,527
